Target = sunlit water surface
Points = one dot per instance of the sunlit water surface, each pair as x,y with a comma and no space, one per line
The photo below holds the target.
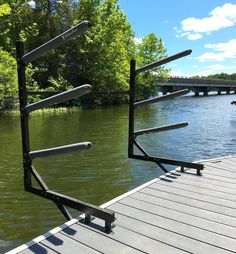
103,172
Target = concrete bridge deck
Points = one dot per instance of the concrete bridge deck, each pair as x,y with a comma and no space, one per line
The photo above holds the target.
197,85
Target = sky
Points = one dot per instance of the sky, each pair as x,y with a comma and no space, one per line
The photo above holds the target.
207,27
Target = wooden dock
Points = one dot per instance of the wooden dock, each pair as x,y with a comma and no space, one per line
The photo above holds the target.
176,213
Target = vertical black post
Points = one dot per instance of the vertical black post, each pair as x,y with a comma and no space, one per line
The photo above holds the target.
23,114
131,108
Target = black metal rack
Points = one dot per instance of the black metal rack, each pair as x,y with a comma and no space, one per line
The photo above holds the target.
132,138
28,156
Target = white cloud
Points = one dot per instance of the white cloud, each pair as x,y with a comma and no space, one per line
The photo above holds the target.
221,52
138,40
215,68
193,37
203,71
219,18
178,73
219,67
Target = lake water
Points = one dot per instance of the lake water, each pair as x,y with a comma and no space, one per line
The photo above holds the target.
103,172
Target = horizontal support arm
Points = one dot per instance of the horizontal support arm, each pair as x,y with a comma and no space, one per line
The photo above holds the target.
163,61
56,42
169,161
59,98
103,213
60,149
161,98
161,128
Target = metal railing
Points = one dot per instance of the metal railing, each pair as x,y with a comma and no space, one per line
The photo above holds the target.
28,156
132,139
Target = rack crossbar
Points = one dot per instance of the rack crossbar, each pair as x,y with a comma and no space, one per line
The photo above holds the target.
56,42
59,98
161,98
161,128
186,164
163,61
59,150
105,214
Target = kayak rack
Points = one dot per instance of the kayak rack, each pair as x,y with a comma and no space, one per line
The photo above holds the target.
30,171
132,135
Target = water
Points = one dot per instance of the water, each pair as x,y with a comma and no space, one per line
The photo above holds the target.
103,172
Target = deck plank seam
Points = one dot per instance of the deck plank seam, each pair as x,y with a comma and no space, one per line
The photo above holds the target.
212,182
190,205
103,234
76,240
182,195
205,177
197,240
210,169
227,163
166,243
220,223
208,195
49,247
158,215
186,182
221,168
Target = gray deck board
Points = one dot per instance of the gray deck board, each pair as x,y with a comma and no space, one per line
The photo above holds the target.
177,227
179,241
210,186
98,240
199,190
177,214
206,180
64,244
38,249
136,240
186,209
190,201
194,195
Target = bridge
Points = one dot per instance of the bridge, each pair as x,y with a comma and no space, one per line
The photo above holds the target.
197,86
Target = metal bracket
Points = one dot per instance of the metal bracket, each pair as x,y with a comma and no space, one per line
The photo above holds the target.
133,105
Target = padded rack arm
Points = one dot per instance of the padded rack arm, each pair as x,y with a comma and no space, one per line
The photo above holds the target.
161,128
161,98
163,61
58,98
56,42
60,149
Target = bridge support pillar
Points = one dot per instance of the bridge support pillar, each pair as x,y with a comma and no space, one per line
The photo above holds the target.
205,91
219,92
228,91
196,91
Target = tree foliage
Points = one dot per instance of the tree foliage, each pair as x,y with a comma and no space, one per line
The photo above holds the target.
151,49
8,80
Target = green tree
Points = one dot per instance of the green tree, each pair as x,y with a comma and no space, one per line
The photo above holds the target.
8,81
150,49
101,56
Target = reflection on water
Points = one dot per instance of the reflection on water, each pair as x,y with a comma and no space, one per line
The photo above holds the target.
103,172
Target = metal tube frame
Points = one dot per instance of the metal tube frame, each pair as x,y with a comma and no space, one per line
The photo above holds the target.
29,170
132,137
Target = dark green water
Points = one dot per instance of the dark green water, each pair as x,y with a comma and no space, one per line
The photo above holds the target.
103,172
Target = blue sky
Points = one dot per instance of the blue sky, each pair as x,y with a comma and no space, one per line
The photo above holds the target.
208,27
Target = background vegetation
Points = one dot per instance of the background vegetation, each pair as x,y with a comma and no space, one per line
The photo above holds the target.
100,57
